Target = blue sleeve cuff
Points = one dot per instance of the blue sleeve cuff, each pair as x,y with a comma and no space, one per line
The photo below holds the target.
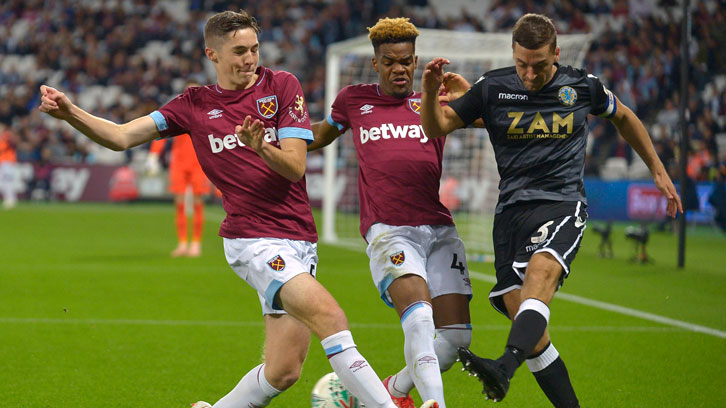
299,133
160,121
334,123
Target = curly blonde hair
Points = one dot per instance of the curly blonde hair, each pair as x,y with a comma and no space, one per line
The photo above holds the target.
392,30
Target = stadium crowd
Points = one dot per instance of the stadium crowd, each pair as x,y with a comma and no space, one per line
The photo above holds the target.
106,51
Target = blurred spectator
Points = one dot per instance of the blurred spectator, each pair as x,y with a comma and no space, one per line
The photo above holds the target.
102,53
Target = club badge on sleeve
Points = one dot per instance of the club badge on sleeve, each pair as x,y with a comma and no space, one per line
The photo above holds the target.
297,111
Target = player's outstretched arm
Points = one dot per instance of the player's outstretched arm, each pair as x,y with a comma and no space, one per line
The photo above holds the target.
104,132
436,120
288,161
453,86
324,134
632,129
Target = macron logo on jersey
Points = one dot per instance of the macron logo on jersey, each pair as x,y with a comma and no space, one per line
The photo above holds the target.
389,131
231,141
366,109
516,97
214,114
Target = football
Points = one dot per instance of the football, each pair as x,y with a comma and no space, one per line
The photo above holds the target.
329,392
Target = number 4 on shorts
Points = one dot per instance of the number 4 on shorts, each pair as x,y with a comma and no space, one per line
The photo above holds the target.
454,265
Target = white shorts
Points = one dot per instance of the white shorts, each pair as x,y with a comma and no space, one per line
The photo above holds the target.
267,263
433,252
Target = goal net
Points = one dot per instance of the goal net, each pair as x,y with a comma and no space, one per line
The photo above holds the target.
469,183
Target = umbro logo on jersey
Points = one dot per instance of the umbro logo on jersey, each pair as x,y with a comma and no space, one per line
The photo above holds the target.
214,113
365,109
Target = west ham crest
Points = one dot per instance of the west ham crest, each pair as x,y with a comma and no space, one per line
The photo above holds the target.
267,106
415,105
276,263
398,258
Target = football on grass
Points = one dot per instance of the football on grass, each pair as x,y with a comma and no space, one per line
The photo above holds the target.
329,392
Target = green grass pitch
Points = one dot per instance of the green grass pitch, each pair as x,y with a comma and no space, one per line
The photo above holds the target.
94,313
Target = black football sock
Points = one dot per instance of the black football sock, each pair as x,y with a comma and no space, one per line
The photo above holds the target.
551,374
527,329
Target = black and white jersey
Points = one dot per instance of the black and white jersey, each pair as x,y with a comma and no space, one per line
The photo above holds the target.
539,137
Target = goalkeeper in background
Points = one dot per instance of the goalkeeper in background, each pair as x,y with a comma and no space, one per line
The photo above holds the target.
536,115
184,172
417,260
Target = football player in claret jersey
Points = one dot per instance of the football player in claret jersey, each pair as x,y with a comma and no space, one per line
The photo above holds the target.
250,132
184,172
417,260
536,114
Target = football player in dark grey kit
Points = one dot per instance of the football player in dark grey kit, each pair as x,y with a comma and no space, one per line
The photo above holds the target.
536,114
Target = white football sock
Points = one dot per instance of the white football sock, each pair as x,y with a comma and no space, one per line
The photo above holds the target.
543,360
252,390
448,339
354,371
417,321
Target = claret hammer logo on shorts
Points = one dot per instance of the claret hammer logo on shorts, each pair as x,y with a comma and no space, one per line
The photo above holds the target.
276,263
398,258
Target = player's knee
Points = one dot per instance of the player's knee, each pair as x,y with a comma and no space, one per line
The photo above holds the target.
329,320
448,339
285,378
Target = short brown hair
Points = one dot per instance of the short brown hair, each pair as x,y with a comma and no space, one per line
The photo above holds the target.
533,31
222,23
392,31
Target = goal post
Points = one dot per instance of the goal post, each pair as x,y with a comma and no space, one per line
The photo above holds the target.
469,182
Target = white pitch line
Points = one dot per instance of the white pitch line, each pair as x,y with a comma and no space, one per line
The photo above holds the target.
621,309
222,323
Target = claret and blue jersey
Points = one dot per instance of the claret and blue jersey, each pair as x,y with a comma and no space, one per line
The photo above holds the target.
399,166
258,201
